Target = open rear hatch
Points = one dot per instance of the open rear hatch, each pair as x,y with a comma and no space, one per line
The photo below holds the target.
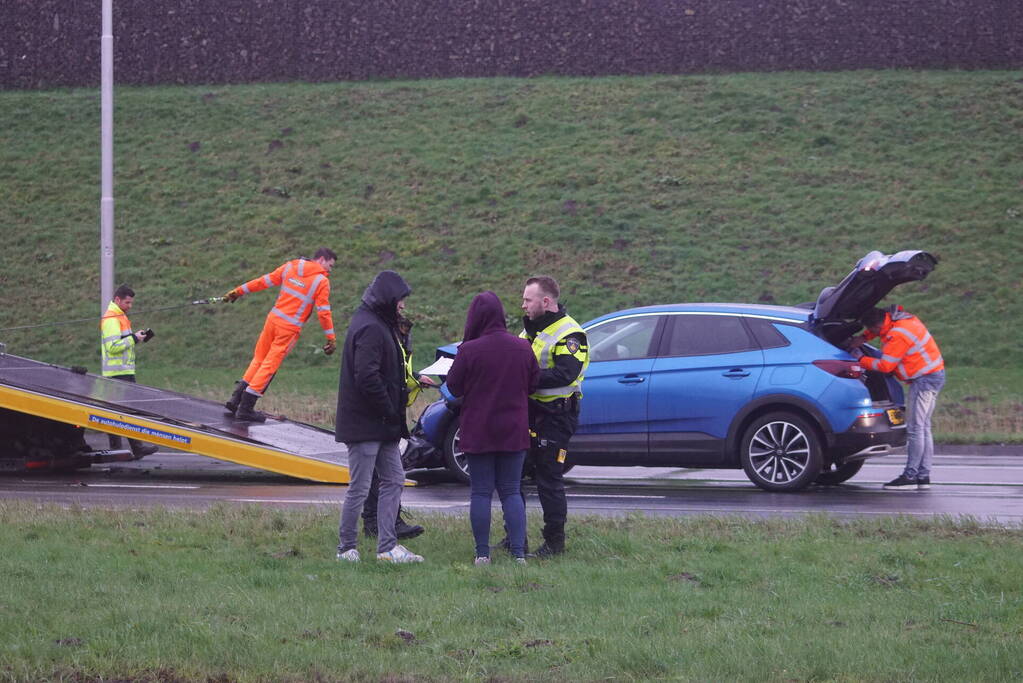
838,309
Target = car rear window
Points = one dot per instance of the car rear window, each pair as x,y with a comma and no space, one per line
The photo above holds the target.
698,335
766,333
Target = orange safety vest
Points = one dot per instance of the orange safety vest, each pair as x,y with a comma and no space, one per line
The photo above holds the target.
304,286
908,349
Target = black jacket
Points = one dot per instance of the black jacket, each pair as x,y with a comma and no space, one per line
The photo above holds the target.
371,395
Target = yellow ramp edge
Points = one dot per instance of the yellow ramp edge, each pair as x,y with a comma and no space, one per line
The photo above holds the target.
173,436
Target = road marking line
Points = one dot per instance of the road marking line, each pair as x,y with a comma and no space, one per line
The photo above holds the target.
136,486
305,501
609,495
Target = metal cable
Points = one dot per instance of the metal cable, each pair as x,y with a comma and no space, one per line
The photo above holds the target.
198,302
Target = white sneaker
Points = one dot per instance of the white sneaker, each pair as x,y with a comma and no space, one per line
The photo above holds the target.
399,554
481,561
351,555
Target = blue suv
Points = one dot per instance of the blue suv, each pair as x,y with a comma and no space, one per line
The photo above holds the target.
765,388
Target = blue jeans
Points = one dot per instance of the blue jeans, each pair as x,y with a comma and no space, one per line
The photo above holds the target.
501,471
923,396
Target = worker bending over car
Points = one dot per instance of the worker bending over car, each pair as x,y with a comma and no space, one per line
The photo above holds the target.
910,353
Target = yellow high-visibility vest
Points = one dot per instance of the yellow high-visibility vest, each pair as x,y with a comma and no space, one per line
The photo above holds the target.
545,348
117,345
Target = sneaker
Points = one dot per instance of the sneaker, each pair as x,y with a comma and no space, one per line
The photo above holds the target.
399,554
520,560
351,555
481,561
901,483
923,483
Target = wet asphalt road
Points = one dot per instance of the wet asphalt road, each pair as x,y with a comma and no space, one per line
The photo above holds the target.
984,483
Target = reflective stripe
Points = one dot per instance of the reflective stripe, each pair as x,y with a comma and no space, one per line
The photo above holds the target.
556,392
550,339
289,318
301,296
330,332
889,359
301,267
245,288
926,370
268,281
323,308
111,338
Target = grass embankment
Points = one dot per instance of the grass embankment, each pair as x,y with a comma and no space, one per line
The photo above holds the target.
762,187
252,593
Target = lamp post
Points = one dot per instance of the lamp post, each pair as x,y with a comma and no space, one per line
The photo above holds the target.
106,202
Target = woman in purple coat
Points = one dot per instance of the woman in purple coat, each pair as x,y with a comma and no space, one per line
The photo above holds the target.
494,373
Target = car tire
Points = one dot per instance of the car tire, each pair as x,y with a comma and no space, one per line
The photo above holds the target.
454,458
836,474
781,452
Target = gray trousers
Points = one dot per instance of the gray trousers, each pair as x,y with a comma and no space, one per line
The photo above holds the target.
923,396
363,458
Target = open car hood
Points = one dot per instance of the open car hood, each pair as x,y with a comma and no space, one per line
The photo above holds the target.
874,276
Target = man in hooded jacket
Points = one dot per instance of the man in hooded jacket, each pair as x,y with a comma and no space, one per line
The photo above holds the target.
371,400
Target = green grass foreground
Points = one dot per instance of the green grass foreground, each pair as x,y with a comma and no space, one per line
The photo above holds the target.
248,593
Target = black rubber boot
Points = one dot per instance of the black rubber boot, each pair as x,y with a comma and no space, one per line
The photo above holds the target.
547,551
236,398
405,530
402,529
246,409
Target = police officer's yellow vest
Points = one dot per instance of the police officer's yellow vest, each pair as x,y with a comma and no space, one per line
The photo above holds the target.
544,348
117,346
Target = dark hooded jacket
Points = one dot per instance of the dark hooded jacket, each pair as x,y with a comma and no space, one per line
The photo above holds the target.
371,395
494,373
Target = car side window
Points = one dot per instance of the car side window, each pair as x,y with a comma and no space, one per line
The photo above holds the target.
700,335
622,339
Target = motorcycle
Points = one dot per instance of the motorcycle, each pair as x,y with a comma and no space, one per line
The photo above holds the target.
433,441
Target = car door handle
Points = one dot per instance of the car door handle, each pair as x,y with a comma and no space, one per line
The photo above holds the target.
736,372
631,379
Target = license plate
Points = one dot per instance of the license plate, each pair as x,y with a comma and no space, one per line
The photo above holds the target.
896,416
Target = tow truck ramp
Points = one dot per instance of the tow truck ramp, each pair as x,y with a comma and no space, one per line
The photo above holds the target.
169,419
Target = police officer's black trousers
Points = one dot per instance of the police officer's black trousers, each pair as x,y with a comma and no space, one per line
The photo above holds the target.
550,488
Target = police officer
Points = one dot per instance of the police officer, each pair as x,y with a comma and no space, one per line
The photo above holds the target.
560,347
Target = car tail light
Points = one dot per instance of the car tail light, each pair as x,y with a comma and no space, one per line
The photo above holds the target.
849,369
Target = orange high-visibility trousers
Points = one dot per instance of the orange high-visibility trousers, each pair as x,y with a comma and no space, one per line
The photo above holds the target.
274,344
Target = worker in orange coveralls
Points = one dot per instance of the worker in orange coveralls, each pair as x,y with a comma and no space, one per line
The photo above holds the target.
304,287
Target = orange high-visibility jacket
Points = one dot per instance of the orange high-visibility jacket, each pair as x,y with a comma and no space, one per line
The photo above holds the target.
908,349
304,286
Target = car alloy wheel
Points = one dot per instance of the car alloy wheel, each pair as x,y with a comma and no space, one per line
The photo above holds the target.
454,458
781,452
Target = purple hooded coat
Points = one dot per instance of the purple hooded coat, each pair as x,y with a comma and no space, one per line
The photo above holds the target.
494,373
